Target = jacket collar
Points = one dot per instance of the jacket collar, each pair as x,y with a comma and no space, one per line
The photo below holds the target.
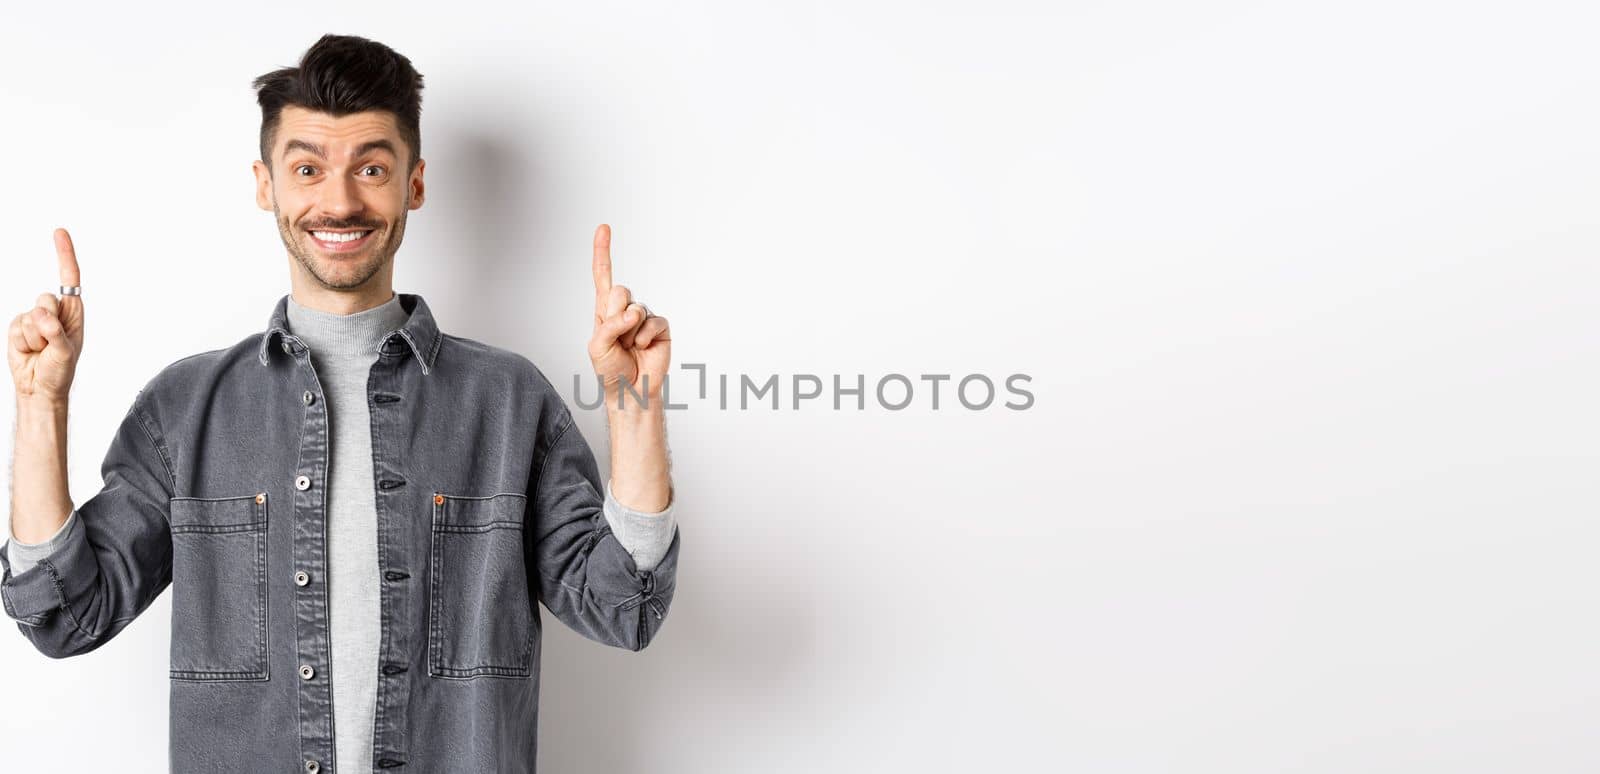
420,332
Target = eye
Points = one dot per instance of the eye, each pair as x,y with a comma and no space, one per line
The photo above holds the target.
380,169
303,166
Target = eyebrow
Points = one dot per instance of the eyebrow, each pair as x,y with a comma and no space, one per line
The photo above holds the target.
317,150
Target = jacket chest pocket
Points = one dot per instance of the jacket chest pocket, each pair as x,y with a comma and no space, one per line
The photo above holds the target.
219,587
480,614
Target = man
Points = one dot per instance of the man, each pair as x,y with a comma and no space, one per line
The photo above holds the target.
355,510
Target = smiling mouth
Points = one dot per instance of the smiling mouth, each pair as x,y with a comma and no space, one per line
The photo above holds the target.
341,241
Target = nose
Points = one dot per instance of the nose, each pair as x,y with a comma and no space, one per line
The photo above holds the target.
340,197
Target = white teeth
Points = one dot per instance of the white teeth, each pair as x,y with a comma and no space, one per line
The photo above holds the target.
329,236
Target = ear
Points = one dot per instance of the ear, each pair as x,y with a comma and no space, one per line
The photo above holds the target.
263,185
417,186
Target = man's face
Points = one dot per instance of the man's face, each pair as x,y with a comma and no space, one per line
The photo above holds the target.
339,190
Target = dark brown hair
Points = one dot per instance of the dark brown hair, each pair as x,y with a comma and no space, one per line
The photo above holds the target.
343,74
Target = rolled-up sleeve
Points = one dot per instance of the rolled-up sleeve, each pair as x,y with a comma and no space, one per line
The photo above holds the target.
645,534
587,577
110,560
25,556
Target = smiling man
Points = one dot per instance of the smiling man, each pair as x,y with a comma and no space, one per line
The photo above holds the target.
356,511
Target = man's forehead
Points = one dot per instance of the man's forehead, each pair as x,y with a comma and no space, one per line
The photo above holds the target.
335,133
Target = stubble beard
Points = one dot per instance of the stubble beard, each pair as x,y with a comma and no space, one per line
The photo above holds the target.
335,274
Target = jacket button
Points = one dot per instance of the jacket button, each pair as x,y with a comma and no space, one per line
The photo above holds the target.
438,499
286,347
306,672
301,578
302,483
309,397
261,498
312,767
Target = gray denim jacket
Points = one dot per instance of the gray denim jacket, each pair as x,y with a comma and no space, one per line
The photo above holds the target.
488,499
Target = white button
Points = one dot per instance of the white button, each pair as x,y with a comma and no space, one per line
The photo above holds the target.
306,672
313,767
301,578
309,397
302,483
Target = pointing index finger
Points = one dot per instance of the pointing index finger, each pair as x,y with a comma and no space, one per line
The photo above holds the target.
602,267
66,258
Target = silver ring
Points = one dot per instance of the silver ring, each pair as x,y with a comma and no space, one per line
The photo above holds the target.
71,290
647,313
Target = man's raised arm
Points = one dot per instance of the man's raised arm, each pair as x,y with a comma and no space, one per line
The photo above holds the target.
72,578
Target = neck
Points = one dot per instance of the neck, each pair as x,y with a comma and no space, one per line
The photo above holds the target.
340,302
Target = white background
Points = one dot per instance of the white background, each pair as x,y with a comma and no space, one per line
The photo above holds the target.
1307,293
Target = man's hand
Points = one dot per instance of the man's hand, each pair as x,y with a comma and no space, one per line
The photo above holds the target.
627,347
47,339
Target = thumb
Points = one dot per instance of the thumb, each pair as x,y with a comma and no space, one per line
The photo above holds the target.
613,328
58,347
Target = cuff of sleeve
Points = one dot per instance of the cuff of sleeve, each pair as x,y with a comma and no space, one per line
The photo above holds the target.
646,536
25,555
44,582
